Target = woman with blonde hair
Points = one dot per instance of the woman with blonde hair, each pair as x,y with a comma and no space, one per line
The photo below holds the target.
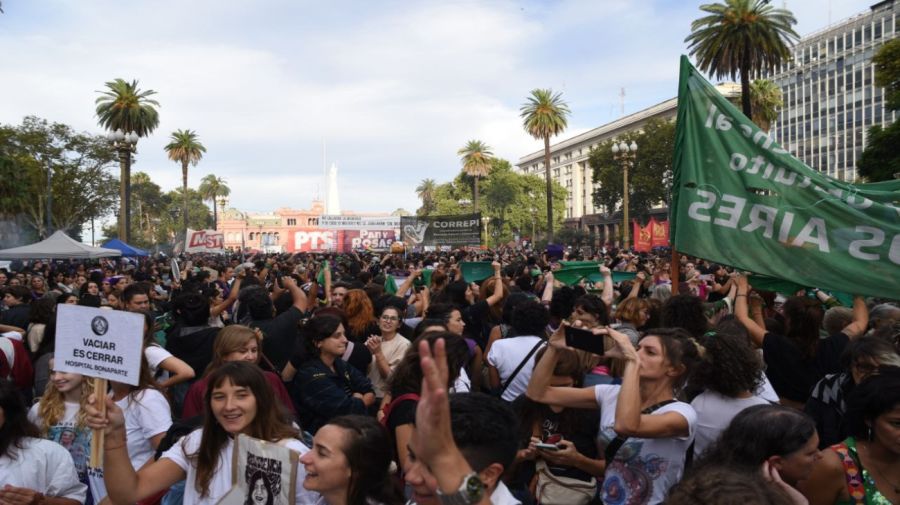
60,417
234,343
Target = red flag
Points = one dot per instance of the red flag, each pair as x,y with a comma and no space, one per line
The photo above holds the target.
659,233
641,237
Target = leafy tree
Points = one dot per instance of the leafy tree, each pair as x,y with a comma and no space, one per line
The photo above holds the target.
211,188
545,115
185,148
476,163
741,37
649,178
426,190
150,204
81,187
126,108
880,160
765,102
887,72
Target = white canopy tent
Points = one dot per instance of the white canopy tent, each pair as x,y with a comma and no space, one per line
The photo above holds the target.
57,246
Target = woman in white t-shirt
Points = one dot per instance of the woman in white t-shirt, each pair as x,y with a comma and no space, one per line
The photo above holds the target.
60,417
651,430
515,355
166,369
32,470
238,400
727,379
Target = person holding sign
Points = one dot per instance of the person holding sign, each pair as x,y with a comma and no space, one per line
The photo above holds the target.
238,400
60,416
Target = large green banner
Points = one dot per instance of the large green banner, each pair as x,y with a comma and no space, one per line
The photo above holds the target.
739,198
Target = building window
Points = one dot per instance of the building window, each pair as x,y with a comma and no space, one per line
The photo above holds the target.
292,221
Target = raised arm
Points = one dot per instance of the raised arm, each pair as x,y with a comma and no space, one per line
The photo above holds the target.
232,296
636,285
539,388
497,295
742,312
630,422
860,322
297,294
608,292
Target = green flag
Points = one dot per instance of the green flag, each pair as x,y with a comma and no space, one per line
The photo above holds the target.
741,199
390,284
475,271
573,271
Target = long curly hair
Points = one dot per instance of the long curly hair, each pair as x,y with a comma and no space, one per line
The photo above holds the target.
359,311
729,366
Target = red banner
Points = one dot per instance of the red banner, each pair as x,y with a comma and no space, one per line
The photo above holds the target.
318,239
641,237
659,233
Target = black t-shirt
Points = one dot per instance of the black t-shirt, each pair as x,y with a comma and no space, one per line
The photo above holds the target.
791,372
402,413
17,316
280,336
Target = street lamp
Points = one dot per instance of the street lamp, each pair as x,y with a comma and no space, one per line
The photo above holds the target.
125,143
222,201
625,154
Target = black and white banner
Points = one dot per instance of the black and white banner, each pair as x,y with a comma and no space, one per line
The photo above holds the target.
454,231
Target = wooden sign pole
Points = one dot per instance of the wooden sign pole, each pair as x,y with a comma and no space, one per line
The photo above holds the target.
98,436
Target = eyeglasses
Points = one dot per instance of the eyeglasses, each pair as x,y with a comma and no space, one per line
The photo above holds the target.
390,318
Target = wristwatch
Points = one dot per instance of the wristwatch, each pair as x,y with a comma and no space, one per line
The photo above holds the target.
470,492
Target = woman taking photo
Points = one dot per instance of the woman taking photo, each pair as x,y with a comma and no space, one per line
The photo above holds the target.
238,400
350,463
325,385
32,470
864,468
645,430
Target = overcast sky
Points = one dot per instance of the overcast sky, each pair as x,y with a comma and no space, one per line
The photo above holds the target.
393,88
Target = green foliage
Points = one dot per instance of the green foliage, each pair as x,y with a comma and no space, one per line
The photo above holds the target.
880,160
649,177
211,188
513,203
887,72
741,37
476,163
765,102
82,187
125,107
544,115
426,190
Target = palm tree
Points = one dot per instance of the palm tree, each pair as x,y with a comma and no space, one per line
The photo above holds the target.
476,163
211,188
765,102
129,112
426,190
545,115
184,147
742,36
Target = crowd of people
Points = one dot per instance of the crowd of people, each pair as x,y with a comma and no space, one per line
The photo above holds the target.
396,379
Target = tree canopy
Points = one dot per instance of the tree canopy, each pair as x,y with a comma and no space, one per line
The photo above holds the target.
649,178
79,163
880,161
887,72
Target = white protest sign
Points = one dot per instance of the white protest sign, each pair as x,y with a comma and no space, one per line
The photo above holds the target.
262,472
106,344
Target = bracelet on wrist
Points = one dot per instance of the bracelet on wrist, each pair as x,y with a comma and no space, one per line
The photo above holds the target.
741,294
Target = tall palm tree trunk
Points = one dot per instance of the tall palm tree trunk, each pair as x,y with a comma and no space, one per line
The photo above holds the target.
549,189
184,210
215,211
475,192
745,85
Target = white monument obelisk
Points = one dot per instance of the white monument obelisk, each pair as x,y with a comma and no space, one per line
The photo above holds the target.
332,202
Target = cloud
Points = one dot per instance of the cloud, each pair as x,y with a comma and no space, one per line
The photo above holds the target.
394,88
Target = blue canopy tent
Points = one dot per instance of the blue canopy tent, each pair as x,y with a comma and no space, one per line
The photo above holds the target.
127,250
